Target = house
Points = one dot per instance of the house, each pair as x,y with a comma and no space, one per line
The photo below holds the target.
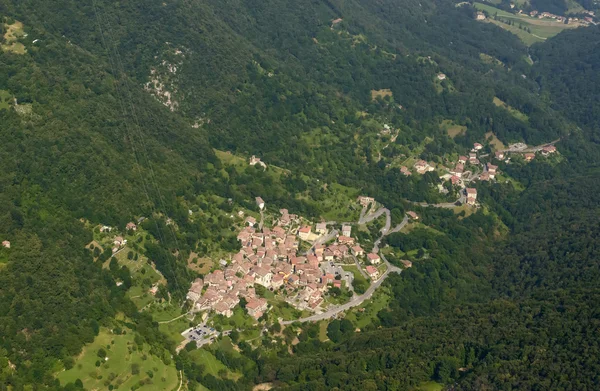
195,291
6,244
262,276
328,278
223,309
462,159
406,263
412,215
441,76
480,16
485,176
372,272
405,171
364,201
345,240
499,155
455,179
260,202
471,195
374,258
529,157
256,160
422,167
119,241
458,170
491,169
548,149
131,226
304,232
256,307
473,158
105,228
321,228
277,281
477,147
346,230
358,251
337,284
250,221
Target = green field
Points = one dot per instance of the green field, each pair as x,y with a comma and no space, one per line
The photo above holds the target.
127,366
515,113
430,386
452,128
370,308
5,99
541,29
212,365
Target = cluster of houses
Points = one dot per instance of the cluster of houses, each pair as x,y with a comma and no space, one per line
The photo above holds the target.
586,20
256,161
269,257
421,166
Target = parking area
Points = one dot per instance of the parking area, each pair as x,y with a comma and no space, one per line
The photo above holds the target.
331,268
201,334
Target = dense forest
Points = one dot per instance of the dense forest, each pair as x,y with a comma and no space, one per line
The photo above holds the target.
498,300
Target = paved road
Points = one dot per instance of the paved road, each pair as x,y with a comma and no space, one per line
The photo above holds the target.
373,216
461,200
355,301
322,239
359,267
400,226
530,149
262,219
358,300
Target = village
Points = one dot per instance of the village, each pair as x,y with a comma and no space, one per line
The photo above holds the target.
468,169
271,258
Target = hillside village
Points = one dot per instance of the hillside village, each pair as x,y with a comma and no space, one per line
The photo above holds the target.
272,258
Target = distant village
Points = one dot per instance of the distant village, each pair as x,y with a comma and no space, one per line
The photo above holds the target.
469,168
586,20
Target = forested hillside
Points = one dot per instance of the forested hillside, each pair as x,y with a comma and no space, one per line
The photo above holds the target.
109,112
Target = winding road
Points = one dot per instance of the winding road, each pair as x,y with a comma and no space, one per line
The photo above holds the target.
358,300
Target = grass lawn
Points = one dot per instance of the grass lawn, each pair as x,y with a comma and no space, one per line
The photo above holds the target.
174,329
430,386
13,33
379,301
494,141
453,129
486,58
282,309
210,362
340,203
380,93
117,370
323,330
515,113
5,99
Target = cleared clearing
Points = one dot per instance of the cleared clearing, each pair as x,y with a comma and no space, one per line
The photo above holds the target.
13,33
4,99
486,58
494,141
452,128
516,113
380,93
